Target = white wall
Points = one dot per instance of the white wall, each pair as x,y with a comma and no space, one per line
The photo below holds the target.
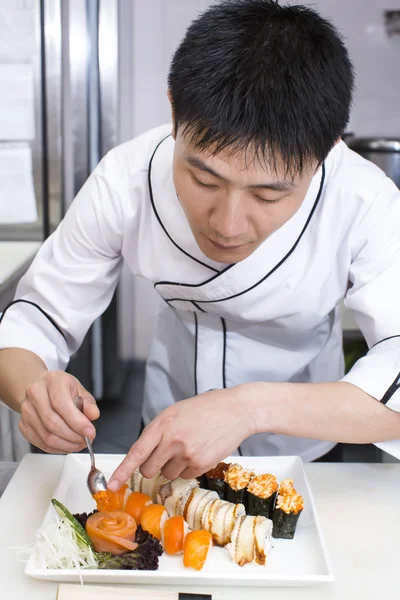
153,28
377,62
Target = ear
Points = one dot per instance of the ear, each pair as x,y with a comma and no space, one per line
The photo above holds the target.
172,114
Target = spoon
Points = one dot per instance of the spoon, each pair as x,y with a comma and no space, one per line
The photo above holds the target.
96,481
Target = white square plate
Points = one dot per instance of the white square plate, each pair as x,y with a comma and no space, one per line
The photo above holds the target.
301,561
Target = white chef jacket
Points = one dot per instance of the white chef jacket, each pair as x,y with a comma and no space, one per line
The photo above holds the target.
272,317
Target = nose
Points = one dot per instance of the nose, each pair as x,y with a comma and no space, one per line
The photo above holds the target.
228,218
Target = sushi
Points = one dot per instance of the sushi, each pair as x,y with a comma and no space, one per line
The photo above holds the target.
236,481
195,506
219,518
202,481
174,495
173,535
289,505
151,487
153,518
106,500
196,547
251,540
215,479
261,495
112,532
135,504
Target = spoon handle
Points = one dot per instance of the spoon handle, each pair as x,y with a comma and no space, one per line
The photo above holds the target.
79,405
89,445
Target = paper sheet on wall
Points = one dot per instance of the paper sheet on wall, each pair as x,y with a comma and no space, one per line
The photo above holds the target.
19,29
17,114
17,192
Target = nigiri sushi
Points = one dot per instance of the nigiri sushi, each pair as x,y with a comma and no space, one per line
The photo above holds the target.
251,540
135,504
153,518
151,487
219,519
196,505
174,495
196,547
173,535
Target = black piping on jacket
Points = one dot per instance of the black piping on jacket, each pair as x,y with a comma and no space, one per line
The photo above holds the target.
391,390
220,273
159,218
44,313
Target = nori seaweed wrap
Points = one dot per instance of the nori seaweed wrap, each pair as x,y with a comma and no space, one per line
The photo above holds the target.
289,505
203,483
236,481
261,494
284,524
215,479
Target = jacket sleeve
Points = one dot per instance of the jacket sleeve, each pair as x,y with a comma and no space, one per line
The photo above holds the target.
374,297
73,277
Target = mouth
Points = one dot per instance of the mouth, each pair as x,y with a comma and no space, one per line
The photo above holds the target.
225,247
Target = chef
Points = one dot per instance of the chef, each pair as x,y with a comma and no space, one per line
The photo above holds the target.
253,221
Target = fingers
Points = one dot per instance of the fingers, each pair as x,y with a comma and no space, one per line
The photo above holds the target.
48,437
157,460
174,468
53,445
61,400
192,473
90,408
137,455
49,418
39,404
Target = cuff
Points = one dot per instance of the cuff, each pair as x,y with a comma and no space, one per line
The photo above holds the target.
378,374
24,326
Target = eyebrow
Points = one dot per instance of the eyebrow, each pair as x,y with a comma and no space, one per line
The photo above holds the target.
277,186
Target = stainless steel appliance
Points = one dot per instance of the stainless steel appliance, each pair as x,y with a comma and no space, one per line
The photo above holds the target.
384,152
73,55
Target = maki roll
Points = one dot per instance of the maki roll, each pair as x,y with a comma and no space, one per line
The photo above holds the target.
289,505
215,479
236,481
261,494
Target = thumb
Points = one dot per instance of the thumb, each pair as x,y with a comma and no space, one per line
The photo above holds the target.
90,408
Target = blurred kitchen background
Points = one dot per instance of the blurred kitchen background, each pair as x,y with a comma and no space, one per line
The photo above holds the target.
78,77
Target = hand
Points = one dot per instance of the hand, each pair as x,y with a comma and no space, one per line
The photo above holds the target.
49,418
189,437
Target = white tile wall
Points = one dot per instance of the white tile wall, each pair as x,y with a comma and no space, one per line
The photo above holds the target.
153,31
159,25
377,61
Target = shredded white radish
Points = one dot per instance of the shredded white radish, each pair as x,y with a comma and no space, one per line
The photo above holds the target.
57,547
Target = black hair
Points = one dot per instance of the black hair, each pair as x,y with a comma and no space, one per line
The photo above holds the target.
251,74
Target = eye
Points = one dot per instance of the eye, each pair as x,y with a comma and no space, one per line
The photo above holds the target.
206,185
265,201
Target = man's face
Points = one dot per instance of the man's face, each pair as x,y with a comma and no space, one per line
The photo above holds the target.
233,205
